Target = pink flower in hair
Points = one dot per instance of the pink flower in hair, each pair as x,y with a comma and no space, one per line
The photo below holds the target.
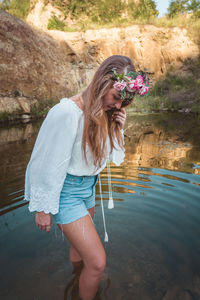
143,90
140,80
132,86
119,86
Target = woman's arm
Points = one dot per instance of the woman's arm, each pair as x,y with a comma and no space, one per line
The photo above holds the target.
47,168
43,221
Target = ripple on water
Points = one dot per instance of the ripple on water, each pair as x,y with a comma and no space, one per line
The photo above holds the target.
154,231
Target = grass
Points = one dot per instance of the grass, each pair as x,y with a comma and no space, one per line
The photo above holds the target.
4,116
191,24
175,92
84,23
7,117
42,107
36,111
182,21
18,8
55,23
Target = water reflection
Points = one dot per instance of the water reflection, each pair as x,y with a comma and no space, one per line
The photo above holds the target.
153,230
155,142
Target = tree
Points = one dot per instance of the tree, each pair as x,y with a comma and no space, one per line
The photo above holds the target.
194,7
184,6
144,9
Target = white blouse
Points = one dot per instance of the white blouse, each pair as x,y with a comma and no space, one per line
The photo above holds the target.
57,151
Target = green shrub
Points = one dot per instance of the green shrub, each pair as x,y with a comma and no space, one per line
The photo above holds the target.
144,9
178,7
55,23
4,116
18,8
42,107
103,12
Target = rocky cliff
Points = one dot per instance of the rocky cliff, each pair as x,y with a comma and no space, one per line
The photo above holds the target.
38,65
33,65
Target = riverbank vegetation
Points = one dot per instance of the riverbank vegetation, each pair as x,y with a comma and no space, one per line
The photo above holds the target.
42,108
178,91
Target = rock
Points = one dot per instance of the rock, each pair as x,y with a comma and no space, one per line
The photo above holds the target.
9,104
25,105
25,117
54,64
187,110
40,14
156,49
33,65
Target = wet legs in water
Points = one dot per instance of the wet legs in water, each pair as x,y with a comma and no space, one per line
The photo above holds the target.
86,246
74,256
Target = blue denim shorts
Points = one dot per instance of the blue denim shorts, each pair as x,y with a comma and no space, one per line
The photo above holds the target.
76,197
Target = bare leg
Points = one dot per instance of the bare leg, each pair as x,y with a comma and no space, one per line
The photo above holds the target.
74,256
84,238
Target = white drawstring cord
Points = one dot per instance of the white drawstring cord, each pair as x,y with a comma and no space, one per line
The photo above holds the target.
110,201
104,222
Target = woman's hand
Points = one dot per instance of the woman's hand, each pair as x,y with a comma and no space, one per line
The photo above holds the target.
120,117
43,221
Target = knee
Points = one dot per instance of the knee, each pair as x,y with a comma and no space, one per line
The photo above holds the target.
98,265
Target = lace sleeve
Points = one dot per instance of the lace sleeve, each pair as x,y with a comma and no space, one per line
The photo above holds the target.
47,168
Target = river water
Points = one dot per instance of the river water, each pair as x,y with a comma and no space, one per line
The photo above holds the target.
154,233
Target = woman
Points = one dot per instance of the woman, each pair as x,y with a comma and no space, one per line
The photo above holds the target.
77,138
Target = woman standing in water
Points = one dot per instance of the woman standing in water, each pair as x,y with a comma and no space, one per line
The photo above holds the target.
78,136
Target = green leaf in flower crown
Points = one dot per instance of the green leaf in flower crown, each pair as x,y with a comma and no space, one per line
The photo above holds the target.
132,74
114,73
123,93
121,76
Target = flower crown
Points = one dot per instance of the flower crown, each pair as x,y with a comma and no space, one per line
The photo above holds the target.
130,84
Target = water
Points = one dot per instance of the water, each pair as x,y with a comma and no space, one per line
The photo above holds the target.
154,233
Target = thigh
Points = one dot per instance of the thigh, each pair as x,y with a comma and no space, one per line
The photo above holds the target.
91,211
84,238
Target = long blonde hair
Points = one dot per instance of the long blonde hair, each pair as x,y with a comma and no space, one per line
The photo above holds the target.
98,124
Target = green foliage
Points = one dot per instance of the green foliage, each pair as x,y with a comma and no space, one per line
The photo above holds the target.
42,107
144,9
191,24
102,11
78,8
55,23
149,103
5,4
107,11
184,6
19,8
97,11
173,93
4,116
173,83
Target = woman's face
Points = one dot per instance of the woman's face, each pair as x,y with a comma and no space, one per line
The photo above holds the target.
112,100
